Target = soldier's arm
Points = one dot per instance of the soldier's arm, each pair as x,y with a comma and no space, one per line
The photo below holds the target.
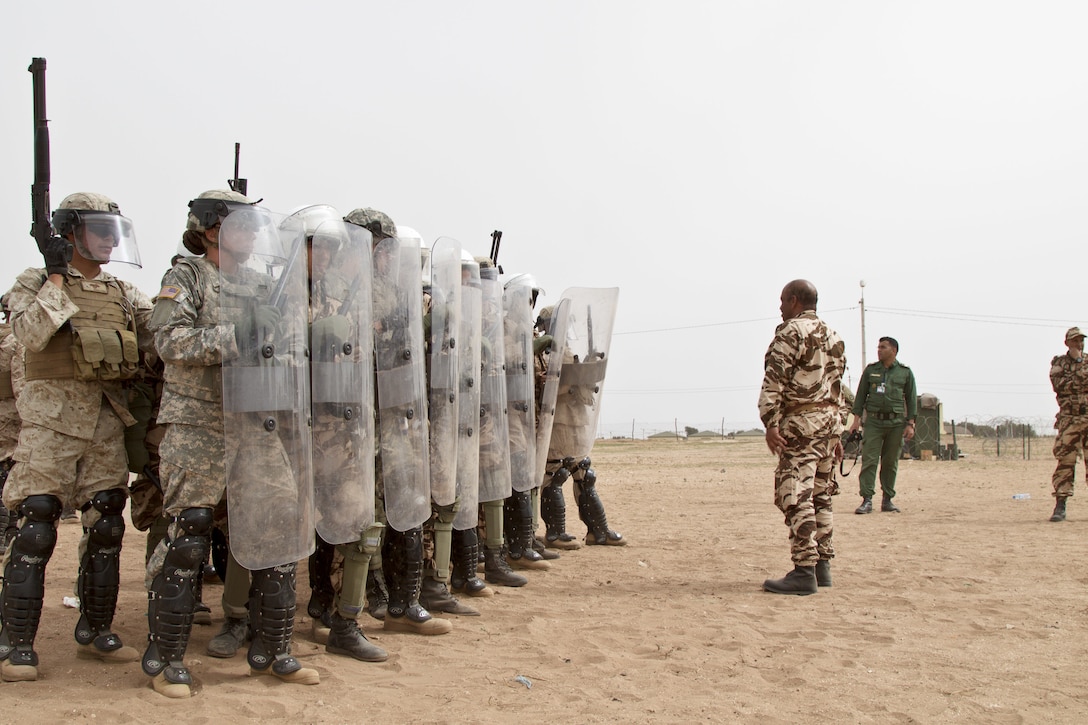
173,320
910,390
862,395
778,366
1058,380
38,309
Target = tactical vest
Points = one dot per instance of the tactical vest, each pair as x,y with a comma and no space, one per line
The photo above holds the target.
97,343
7,392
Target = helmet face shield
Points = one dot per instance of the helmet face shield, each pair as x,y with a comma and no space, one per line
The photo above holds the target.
103,237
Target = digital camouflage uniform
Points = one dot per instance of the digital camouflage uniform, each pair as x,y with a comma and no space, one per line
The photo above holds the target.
1069,378
802,397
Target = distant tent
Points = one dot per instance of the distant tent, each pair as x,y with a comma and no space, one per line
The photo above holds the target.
663,434
752,433
706,434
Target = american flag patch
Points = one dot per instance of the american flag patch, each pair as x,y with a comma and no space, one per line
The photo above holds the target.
169,292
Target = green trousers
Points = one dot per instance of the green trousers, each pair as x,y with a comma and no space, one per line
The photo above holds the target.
881,447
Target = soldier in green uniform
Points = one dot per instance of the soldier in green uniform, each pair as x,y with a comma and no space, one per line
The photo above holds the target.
888,395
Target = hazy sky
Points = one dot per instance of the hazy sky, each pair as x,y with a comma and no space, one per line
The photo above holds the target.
698,155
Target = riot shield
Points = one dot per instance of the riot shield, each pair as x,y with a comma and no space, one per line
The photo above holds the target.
341,382
552,363
581,378
266,389
402,384
494,436
443,394
468,410
520,378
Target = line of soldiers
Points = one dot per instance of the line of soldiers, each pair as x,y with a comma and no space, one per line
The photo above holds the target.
309,386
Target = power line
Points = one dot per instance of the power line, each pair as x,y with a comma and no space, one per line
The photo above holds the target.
717,324
970,317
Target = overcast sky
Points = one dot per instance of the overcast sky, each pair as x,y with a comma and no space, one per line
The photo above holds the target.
697,155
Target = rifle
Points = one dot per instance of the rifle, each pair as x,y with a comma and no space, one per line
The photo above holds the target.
236,184
41,227
496,240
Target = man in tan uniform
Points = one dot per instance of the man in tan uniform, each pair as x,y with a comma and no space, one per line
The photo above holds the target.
801,404
80,326
1069,378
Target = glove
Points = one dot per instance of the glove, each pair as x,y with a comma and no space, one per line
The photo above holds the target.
57,253
267,319
327,336
264,320
542,343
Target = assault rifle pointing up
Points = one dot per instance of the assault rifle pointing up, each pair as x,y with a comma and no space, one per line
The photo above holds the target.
41,228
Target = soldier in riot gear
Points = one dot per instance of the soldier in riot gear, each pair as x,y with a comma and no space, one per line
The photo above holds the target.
402,477
81,328
226,344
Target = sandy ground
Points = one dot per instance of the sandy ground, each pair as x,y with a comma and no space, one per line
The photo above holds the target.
966,607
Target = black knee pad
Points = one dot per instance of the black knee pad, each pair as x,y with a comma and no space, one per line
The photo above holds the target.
585,463
108,531
589,478
560,475
196,521
40,507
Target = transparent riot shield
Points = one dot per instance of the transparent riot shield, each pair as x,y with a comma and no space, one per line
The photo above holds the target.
494,435
443,394
266,389
581,378
468,410
520,379
402,384
341,382
552,362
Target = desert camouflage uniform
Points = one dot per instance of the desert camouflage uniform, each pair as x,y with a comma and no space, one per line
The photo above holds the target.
802,397
11,382
1069,378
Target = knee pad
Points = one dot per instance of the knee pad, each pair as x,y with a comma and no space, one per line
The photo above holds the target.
569,462
560,475
40,507
589,478
196,521
585,463
108,531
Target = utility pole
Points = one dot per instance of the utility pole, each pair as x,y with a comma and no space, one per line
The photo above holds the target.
863,346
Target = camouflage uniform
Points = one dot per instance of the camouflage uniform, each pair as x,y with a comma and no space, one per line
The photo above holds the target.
1069,378
11,382
802,397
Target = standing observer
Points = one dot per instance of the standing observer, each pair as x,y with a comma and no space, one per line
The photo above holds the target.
801,404
1069,378
888,395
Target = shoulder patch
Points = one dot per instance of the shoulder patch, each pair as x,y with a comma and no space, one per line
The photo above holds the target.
169,292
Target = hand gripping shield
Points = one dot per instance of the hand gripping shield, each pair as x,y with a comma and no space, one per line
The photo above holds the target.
520,380
341,383
468,410
494,436
549,389
266,389
402,383
581,378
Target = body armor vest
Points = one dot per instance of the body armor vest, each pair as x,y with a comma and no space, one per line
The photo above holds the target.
97,343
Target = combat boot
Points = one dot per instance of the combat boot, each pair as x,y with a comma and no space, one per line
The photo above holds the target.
466,554
823,572
541,548
800,581
345,638
498,571
1059,510
377,594
435,596
233,634
866,506
887,506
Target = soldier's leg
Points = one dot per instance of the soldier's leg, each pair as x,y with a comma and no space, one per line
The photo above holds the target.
518,528
24,586
434,594
345,636
553,506
171,599
272,609
794,481
236,629
890,452
465,557
496,568
1065,451
825,486
8,518
322,593
404,559
871,445
377,589
591,508
99,579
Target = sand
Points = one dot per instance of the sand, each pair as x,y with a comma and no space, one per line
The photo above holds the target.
969,606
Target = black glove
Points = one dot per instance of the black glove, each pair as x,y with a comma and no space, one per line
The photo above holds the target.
57,253
263,320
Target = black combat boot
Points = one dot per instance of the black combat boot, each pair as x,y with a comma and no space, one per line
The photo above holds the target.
866,506
345,638
823,572
498,571
377,593
801,581
887,506
466,554
1059,510
436,597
